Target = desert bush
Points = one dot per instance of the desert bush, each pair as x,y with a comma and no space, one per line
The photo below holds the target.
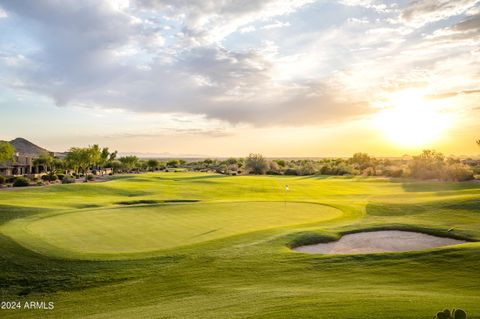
21,182
307,168
290,171
361,160
68,179
274,168
457,173
256,164
393,172
369,171
428,165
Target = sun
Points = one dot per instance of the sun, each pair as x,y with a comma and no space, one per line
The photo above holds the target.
412,121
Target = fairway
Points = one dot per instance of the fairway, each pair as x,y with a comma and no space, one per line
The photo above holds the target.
196,245
115,231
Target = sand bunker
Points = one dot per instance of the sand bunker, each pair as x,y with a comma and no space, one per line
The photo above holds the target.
378,242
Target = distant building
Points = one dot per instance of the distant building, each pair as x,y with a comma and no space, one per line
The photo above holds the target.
21,165
23,160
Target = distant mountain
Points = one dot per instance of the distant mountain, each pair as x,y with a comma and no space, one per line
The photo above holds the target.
27,148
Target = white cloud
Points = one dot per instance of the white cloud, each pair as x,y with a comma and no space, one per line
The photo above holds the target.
276,24
210,21
3,14
248,29
150,56
422,12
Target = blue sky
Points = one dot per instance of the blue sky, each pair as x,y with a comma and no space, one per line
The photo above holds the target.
220,78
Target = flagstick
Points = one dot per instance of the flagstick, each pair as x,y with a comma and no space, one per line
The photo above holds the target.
285,196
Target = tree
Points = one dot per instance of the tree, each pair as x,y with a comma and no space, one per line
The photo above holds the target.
104,156
361,160
83,158
116,166
307,168
113,156
256,164
46,161
129,162
428,165
153,164
94,155
78,159
6,152
173,163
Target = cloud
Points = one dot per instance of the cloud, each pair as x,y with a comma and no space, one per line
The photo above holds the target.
209,21
176,56
100,56
369,4
276,24
421,12
3,14
451,94
468,29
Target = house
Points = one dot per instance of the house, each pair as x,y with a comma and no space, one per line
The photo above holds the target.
23,160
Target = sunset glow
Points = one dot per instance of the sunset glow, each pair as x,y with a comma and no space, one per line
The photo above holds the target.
299,77
412,121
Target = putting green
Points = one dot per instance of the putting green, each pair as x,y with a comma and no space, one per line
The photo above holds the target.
113,232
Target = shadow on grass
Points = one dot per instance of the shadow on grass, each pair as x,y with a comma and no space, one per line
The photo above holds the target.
191,178
9,212
48,275
380,209
439,187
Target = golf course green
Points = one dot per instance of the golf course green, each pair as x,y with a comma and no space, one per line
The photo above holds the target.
198,245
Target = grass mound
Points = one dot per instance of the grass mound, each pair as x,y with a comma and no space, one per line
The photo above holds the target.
139,229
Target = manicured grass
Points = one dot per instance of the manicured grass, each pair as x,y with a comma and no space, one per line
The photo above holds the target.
114,232
226,256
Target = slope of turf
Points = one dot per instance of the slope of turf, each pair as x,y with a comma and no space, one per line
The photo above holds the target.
247,271
115,232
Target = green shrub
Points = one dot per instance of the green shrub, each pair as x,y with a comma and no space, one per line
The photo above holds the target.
68,179
60,176
459,314
21,182
2,180
51,177
454,314
90,177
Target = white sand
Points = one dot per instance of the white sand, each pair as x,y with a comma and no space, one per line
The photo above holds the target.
379,241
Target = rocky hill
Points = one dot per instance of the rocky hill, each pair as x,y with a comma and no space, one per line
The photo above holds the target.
26,147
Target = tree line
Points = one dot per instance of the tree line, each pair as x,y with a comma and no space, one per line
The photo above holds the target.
89,162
